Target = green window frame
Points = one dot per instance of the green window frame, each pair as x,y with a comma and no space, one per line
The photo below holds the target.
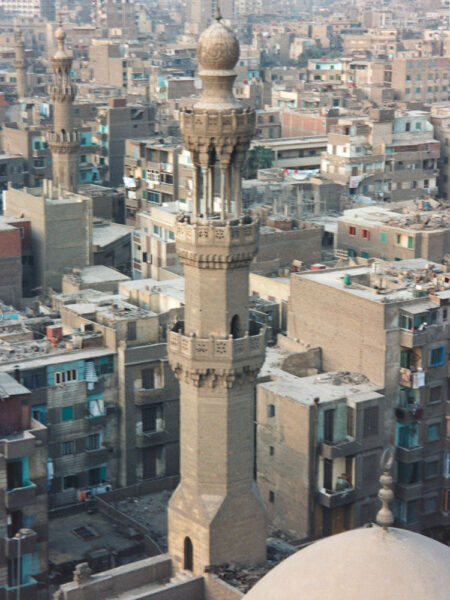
410,241
383,236
364,255
433,432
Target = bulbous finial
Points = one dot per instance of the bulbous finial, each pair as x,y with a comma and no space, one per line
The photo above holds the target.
385,518
218,47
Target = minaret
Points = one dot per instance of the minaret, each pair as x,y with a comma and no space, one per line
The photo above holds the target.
216,514
20,64
64,140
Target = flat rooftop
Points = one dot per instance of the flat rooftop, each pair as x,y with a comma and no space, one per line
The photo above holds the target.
104,234
325,386
96,274
385,282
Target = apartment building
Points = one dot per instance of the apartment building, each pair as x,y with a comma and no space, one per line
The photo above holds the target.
23,489
421,79
115,123
393,328
411,230
327,430
156,172
295,153
100,381
326,71
440,119
387,156
29,8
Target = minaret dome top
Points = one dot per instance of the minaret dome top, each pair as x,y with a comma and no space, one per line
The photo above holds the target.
218,47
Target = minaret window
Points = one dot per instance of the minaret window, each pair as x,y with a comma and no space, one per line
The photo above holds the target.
188,554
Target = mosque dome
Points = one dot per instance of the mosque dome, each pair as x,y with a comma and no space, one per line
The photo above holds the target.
218,47
367,563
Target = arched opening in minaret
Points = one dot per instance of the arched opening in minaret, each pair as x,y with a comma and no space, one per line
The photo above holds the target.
234,326
188,554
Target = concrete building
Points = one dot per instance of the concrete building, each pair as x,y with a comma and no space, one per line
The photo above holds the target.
388,156
60,229
114,124
421,79
295,153
327,430
407,230
29,8
392,328
216,514
23,486
111,246
440,118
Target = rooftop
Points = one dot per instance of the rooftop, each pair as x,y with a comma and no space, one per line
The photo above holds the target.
386,282
104,234
96,274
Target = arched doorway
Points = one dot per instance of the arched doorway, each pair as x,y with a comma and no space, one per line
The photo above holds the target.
234,326
188,554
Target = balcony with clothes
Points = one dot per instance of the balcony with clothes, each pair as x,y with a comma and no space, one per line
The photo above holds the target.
411,373
335,481
408,409
419,325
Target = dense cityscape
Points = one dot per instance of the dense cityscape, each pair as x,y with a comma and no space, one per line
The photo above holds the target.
224,299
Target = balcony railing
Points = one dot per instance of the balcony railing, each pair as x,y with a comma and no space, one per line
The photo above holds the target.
18,497
17,446
330,499
409,455
346,447
408,491
28,544
144,396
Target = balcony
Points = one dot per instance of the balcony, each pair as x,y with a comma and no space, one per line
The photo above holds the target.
413,339
19,497
330,499
409,455
28,545
408,491
409,414
145,396
411,378
333,450
18,445
150,438
97,457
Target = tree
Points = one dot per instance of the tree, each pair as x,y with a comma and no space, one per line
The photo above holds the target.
259,157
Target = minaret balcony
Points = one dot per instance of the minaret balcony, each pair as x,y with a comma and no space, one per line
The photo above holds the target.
64,138
214,353
220,241
197,123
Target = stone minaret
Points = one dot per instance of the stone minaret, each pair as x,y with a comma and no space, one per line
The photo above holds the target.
20,64
64,140
216,514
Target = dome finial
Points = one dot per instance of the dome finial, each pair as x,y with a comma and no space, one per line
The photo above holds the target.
218,15
385,518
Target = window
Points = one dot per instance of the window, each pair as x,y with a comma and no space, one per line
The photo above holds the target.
271,496
433,432
95,406
429,505
364,254
352,230
93,441
351,252
148,379
70,481
350,421
271,410
131,331
328,425
271,450
365,234
410,241
67,448
370,425
152,418
431,469
66,413
65,376
435,394
383,236
437,356
406,511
